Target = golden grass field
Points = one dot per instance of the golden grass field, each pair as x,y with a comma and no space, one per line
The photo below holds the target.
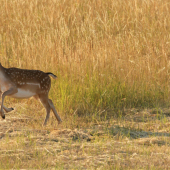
112,60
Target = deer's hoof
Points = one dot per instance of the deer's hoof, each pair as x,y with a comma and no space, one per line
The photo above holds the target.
9,109
59,122
3,116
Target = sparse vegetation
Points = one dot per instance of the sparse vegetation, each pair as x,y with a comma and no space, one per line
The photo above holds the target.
112,59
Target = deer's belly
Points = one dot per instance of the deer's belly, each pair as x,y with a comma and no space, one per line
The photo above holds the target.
23,94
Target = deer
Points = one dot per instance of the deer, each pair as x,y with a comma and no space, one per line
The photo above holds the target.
23,84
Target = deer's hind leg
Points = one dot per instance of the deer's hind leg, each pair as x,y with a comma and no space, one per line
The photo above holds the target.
44,101
54,111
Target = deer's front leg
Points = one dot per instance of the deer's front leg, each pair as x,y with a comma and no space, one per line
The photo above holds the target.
6,108
7,93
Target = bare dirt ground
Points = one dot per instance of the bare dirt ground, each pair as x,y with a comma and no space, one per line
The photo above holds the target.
140,140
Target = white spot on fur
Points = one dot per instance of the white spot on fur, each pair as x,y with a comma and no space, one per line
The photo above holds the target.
35,84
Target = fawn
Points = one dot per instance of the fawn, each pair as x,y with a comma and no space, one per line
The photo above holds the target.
22,83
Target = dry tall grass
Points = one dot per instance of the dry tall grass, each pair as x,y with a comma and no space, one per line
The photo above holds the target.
109,56
106,54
